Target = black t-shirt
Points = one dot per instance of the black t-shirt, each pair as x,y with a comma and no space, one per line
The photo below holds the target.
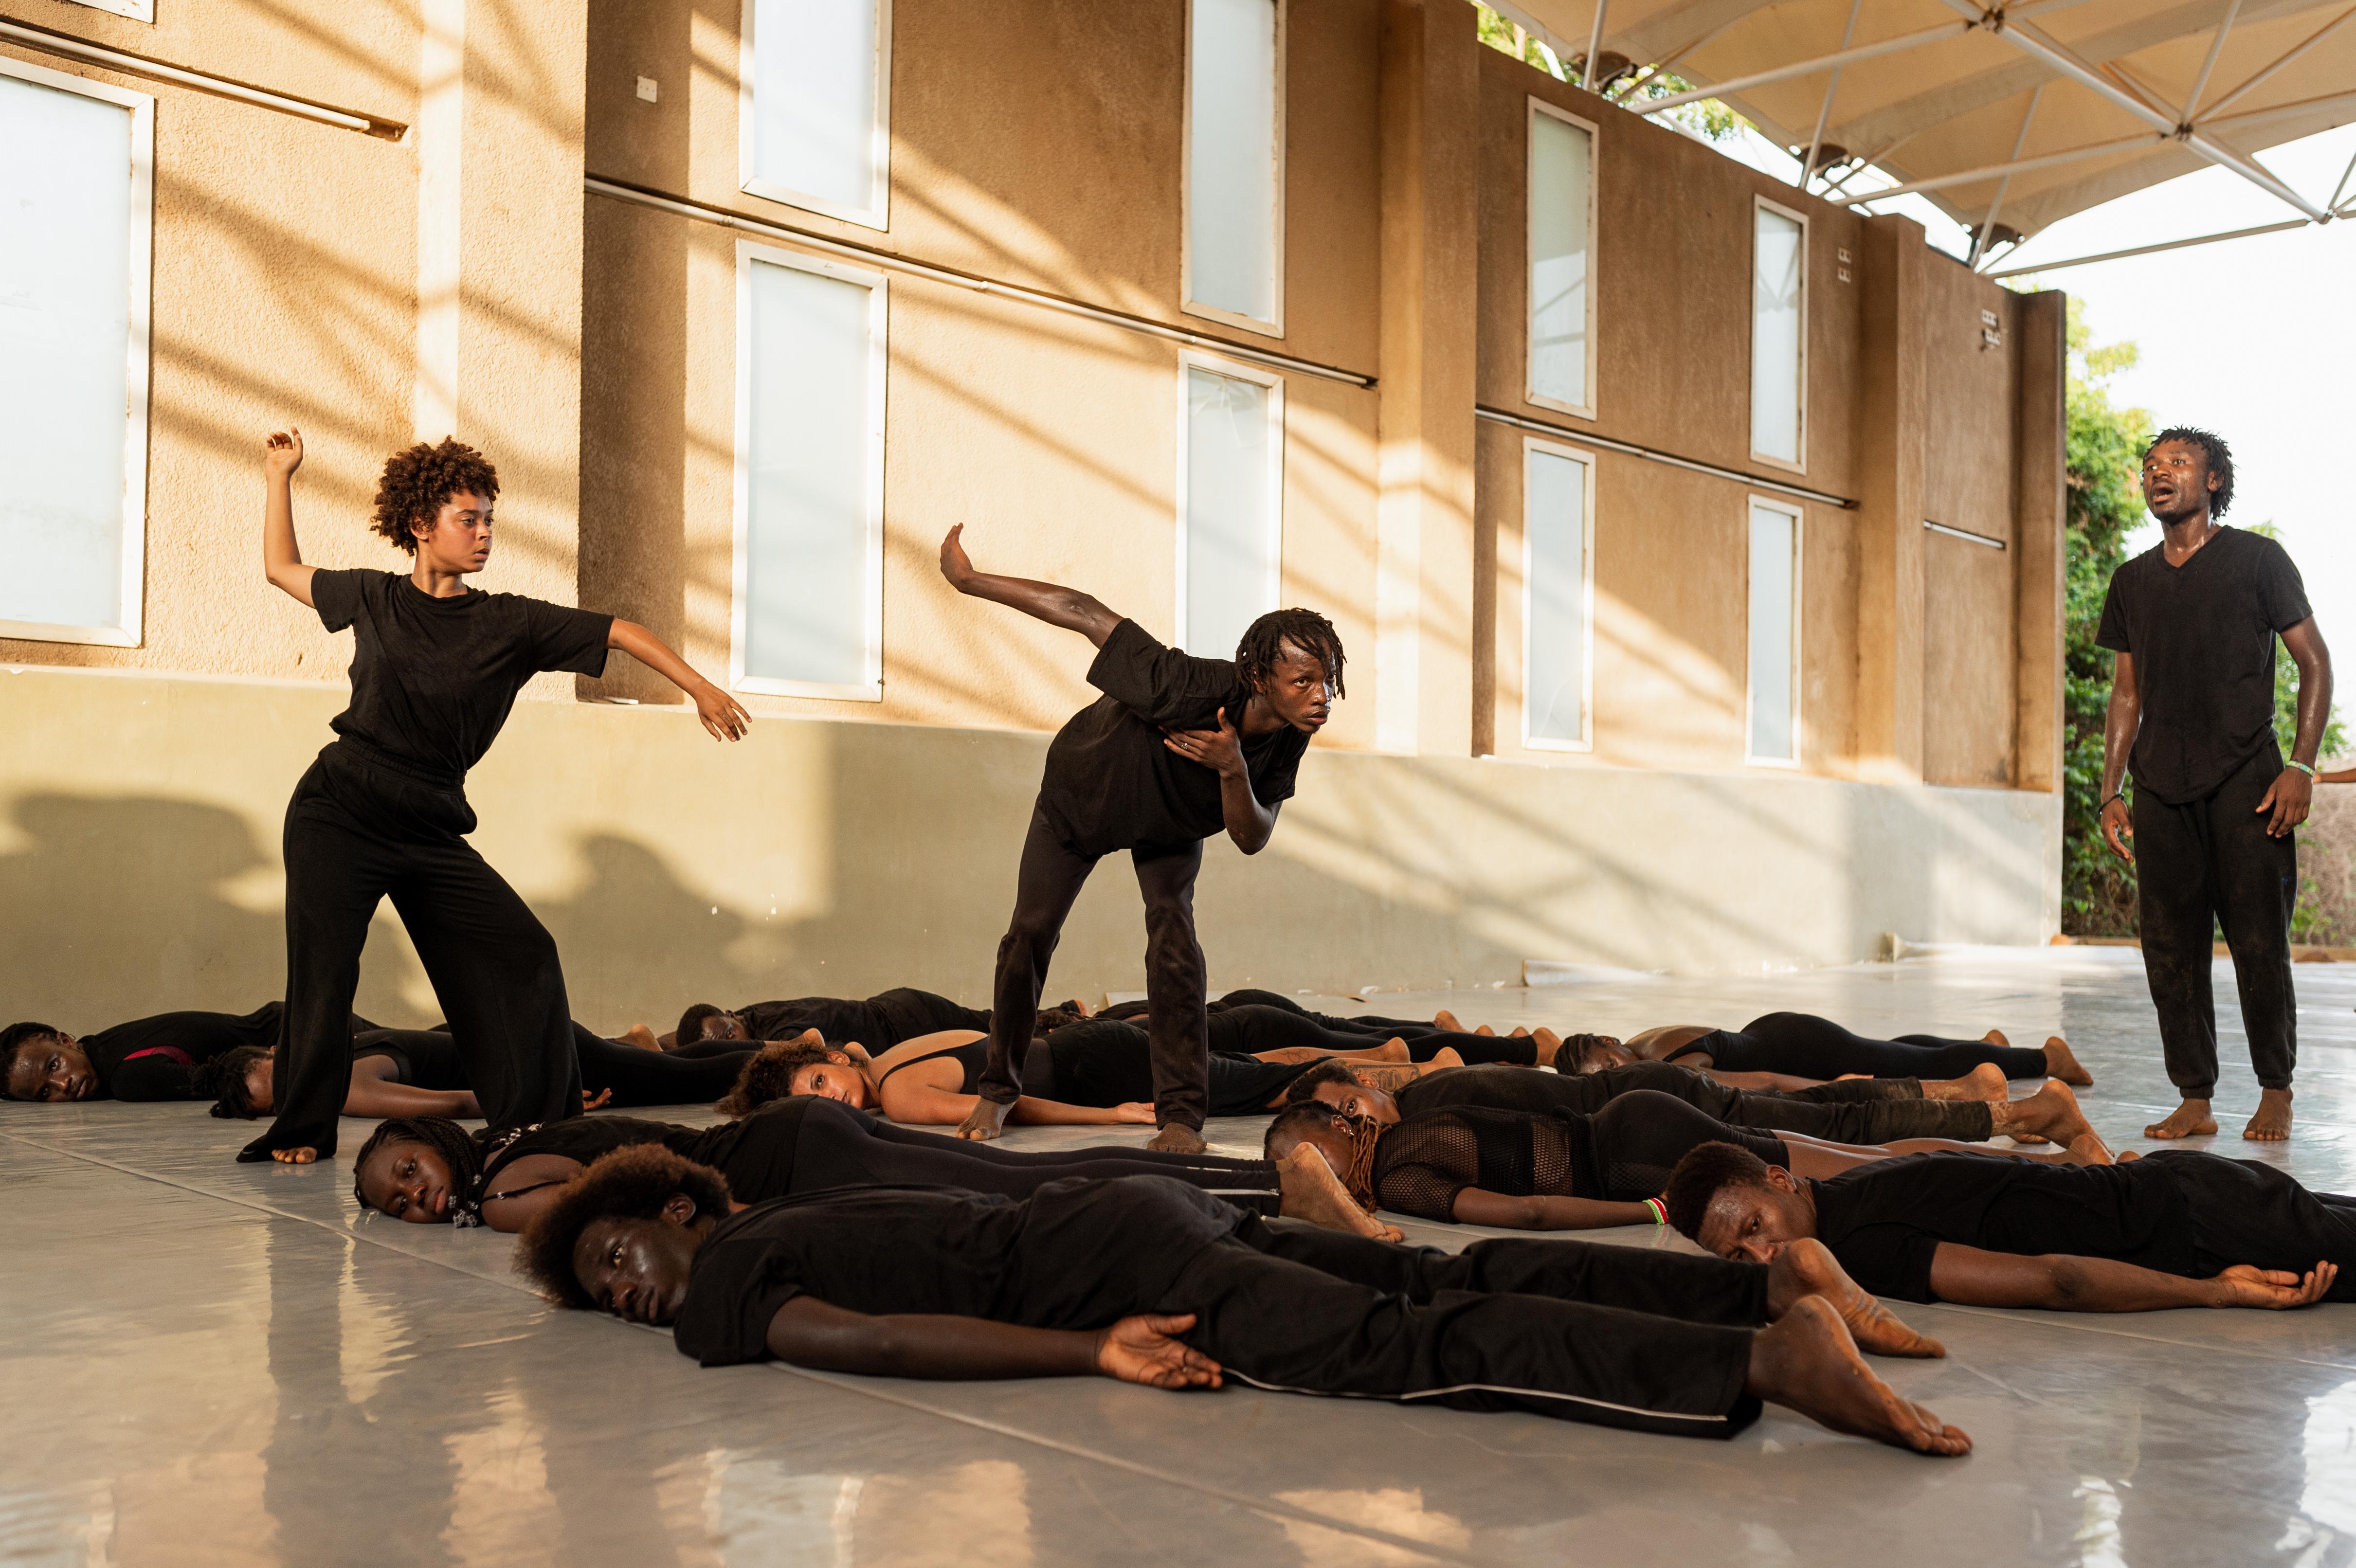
1110,783
433,679
879,1023
1077,1254
1885,1221
1561,1094
422,1058
157,1057
2203,639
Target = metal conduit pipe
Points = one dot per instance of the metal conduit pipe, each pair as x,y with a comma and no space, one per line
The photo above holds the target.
1653,455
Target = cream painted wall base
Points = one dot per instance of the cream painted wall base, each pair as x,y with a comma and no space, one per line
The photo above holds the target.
140,871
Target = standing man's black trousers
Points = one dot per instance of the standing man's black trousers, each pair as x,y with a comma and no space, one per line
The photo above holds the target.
355,834
2205,864
1052,875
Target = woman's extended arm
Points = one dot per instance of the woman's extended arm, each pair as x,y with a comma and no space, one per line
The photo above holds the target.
374,1093
721,714
1058,606
807,1332
917,1104
282,557
1475,1207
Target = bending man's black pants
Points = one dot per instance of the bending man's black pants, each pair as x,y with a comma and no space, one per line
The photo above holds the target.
1051,877
355,835
2200,866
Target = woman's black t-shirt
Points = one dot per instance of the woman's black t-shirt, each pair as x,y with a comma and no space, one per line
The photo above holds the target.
1110,783
157,1057
433,679
422,1058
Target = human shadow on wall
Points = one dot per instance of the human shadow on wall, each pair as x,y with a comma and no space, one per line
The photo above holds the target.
116,907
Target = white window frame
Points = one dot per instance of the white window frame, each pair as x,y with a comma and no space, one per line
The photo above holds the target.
137,10
1190,359
1529,255
870,689
1751,503
1586,741
1188,304
877,213
135,385
1806,254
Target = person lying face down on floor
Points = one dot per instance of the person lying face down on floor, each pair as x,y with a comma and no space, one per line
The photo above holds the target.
1852,1111
879,1023
1519,1171
1425,1038
1815,1049
1150,1281
934,1080
420,1072
428,1171
155,1058
2176,1229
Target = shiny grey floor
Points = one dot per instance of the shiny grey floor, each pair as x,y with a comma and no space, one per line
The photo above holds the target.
202,1362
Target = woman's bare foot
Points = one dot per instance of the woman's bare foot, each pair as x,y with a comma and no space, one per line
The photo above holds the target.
2190,1120
1177,1137
1445,1019
1996,1037
1547,1042
1311,1193
1807,1267
1444,1057
2059,1063
2051,1113
986,1121
1986,1082
2272,1123
1807,1362
2086,1149
641,1036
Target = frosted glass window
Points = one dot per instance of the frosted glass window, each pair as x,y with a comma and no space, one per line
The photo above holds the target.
73,282
1557,557
816,116
810,551
1560,173
1234,131
1231,529
1778,316
1774,582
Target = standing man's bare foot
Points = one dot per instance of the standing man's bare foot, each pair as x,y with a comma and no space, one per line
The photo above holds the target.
1807,1267
2059,1063
1445,1019
1807,1362
2190,1120
305,1156
1986,1082
986,1121
2051,1113
2272,1123
1311,1193
1177,1137
1996,1037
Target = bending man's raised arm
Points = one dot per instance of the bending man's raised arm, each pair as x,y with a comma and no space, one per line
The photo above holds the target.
1057,605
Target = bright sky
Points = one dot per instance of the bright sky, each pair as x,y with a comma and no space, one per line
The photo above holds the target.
2253,338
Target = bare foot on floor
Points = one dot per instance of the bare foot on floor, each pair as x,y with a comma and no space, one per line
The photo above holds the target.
1311,1193
2272,1123
986,1121
1986,1082
1392,1050
1445,1019
1808,1361
1175,1138
1807,1267
2087,1148
2190,1120
1444,1057
2061,1064
1547,1043
641,1036
1521,1031
1996,1037
2052,1113
305,1155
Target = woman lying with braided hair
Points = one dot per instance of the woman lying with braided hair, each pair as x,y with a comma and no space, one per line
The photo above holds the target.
1561,1172
426,1170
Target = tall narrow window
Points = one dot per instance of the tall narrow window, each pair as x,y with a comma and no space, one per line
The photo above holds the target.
1561,222
814,110
1778,328
807,611
1234,161
76,188
1558,597
1230,503
1775,636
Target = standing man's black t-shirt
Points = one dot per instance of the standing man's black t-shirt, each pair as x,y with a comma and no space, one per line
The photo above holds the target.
2202,635
1110,783
433,679
1885,1221
1076,1254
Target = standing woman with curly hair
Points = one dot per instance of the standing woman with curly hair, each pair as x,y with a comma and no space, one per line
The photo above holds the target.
435,667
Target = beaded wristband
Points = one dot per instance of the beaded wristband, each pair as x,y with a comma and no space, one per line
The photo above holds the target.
2302,767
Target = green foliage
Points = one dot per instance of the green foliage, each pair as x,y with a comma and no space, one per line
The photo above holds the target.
2334,740
1706,118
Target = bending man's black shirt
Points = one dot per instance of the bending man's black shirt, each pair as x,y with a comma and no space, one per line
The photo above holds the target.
433,679
1885,1221
2203,639
1077,1254
1110,783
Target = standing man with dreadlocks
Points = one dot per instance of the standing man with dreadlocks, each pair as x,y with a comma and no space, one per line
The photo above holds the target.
2193,622
1178,749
